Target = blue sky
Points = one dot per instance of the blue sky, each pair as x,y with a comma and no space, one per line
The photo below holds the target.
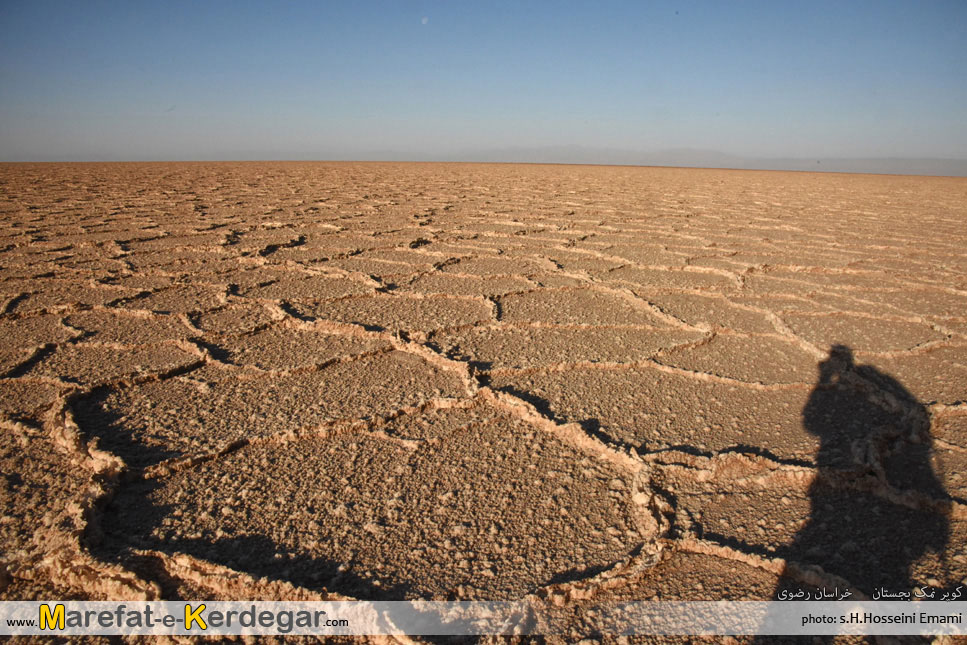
427,80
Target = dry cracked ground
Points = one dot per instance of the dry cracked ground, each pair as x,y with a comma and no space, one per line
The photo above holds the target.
396,381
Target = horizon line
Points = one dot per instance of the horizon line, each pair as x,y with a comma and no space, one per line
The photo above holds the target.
543,163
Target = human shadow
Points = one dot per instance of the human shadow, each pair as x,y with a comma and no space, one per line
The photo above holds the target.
878,512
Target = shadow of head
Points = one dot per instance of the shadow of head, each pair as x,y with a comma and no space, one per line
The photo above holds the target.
839,362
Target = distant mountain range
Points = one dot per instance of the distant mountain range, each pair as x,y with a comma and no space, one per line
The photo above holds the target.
692,158
573,154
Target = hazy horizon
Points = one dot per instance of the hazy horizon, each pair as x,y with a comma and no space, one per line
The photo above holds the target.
867,87
572,155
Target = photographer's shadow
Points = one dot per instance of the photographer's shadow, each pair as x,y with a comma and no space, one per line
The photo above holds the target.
879,514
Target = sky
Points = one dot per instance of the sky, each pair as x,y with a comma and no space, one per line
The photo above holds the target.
596,81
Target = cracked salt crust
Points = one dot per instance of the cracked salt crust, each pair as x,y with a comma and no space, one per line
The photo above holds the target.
316,381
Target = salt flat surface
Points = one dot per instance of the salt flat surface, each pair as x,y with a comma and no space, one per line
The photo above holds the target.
447,381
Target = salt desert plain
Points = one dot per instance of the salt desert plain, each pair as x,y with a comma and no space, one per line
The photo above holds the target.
468,381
